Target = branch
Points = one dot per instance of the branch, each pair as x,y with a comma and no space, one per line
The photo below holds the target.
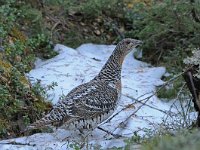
108,132
147,104
193,87
17,143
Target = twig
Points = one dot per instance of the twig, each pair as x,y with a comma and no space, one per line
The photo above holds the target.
169,114
189,103
143,103
17,143
109,119
146,100
183,113
54,26
126,120
146,104
108,132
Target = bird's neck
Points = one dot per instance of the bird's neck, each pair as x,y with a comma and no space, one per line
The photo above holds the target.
111,71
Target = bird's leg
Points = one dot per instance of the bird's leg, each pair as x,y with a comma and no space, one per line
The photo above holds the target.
81,131
84,137
87,138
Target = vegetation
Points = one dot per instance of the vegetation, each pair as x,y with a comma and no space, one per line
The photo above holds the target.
30,28
20,103
168,29
183,140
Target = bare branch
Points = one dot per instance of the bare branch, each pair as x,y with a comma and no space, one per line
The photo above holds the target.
17,143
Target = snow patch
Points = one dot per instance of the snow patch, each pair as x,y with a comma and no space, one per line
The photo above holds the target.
73,67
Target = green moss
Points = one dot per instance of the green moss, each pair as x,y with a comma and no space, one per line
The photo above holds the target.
3,125
19,104
42,106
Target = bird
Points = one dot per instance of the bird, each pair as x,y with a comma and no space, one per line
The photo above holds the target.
91,103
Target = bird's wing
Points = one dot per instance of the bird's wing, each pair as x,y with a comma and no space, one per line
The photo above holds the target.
89,99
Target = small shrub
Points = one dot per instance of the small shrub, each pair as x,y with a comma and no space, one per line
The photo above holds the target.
95,8
19,103
166,27
171,90
182,141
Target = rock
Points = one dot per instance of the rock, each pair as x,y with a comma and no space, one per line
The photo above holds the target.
18,58
97,32
108,36
98,20
82,24
85,30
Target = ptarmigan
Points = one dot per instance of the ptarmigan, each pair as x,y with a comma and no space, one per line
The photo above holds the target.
89,104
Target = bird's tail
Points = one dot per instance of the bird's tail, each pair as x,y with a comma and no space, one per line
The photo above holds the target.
46,120
55,118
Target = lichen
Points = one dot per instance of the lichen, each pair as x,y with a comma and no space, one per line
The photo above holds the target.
18,35
194,60
131,3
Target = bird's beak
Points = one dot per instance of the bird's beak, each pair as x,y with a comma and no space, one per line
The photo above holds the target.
138,42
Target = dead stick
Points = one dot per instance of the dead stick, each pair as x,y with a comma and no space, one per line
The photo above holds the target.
17,143
108,132
193,87
147,104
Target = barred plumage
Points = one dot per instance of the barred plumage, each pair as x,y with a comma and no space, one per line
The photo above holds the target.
91,103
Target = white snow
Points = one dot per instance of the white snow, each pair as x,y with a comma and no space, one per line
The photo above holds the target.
73,67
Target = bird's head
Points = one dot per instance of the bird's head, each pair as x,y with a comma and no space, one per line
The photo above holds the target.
127,45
